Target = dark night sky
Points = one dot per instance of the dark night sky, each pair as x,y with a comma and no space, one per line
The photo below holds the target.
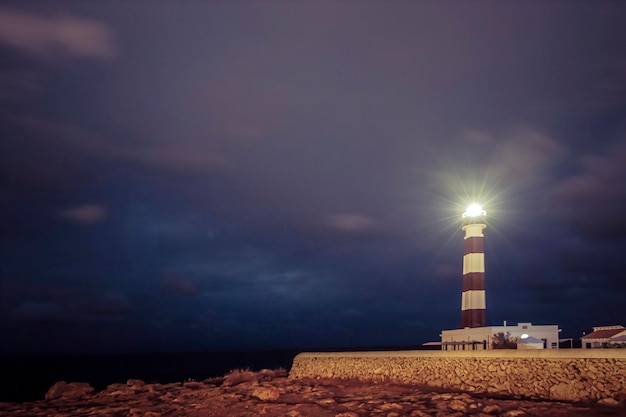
238,174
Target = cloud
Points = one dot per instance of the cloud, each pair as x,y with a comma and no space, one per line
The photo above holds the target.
85,214
46,36
40,312
173,157
477,136
182,286
109,305
56,154
522,153
494,166
52,302
20,86
352,313
593,199
241,109
247,278
525,154
350,222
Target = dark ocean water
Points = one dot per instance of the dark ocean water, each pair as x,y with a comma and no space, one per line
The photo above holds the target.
28,378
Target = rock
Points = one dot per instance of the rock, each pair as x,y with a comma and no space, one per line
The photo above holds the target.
491,409
291,398
135,383
326,401
350,405
446,414
514,413
441,405
390,406
266,393
71,390
135,412
56,390
611,402
446,396
564,391
112,392
457,405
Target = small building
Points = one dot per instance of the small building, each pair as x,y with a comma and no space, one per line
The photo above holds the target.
618,341
602,335
527,342
482,338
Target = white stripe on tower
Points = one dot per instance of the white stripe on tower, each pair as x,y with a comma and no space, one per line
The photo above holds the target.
473,303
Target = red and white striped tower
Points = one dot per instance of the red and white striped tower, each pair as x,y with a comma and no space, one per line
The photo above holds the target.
473,304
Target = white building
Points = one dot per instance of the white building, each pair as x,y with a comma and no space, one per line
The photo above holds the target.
603,336
527,342
481,338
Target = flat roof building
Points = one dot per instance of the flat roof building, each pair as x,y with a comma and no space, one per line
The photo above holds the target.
484,338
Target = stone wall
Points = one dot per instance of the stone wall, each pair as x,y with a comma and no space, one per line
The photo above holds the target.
567,374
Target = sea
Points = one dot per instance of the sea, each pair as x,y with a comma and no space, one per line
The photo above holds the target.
24,379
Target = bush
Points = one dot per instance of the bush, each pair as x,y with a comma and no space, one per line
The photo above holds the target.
216,380
238,376
503,341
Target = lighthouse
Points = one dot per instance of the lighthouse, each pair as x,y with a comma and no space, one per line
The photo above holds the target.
473,303
474,333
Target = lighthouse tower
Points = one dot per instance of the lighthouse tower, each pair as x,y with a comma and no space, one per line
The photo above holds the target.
473,304
474,333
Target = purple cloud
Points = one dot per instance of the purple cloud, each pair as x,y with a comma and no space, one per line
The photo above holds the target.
46,36
85,214
593,198
182,286
350,222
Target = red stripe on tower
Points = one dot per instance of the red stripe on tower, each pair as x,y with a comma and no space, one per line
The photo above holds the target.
473,304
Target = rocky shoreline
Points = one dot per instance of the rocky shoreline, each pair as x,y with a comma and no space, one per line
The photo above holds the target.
270,393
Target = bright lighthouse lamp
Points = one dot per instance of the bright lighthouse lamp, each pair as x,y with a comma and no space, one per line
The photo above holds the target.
474,210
